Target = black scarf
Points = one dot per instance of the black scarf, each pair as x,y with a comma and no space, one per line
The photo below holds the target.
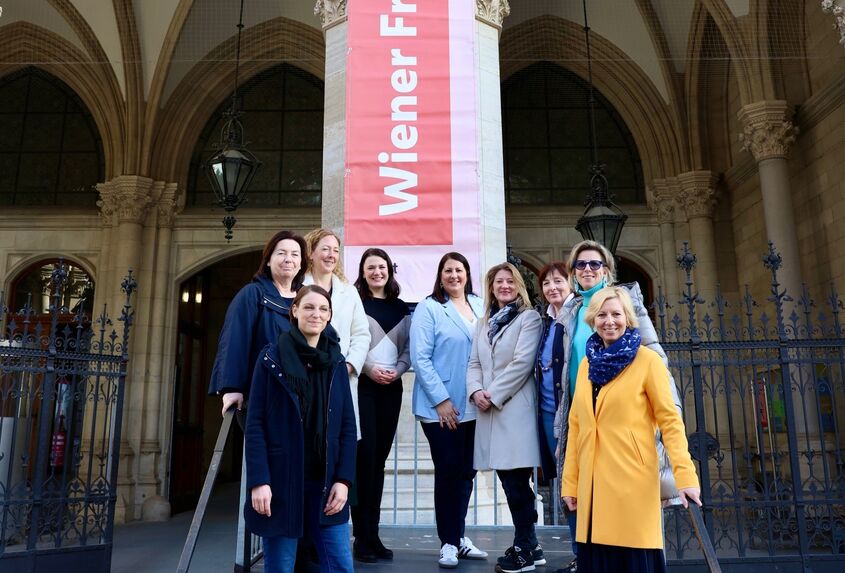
503,317
309,372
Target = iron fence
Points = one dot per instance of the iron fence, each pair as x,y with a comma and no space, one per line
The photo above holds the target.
762,385
61,400
763,388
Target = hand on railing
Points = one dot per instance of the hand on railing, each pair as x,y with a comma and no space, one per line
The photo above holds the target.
691,493
232,399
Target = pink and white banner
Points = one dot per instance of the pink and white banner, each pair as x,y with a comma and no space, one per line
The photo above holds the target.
412,184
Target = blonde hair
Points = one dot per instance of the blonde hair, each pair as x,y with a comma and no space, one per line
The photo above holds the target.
606,294
313,238
521,290
609,261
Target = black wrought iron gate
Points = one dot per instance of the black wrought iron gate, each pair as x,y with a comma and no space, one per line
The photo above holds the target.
764,407
62,380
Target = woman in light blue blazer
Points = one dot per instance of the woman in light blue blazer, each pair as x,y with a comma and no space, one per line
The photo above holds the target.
441,340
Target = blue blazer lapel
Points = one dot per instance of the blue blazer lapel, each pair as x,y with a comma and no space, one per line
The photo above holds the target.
455,316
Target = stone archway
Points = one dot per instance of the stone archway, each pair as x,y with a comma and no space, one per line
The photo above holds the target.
203,299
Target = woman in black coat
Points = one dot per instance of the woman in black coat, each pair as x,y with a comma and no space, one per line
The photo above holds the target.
300,441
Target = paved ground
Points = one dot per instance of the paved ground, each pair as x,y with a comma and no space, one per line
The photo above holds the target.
155,547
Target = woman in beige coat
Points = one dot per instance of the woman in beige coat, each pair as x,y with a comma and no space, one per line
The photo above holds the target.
500,381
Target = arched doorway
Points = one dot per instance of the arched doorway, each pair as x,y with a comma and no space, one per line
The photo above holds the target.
28,413
203,301
627,271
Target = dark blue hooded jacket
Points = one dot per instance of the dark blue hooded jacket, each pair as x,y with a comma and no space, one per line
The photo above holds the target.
275,447
255,318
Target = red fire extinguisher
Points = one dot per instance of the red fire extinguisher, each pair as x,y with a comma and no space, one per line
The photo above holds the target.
57,450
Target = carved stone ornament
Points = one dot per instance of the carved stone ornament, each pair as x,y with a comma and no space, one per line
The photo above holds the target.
170,204
128,197
699,193
664,200
330,12
492,11
768,132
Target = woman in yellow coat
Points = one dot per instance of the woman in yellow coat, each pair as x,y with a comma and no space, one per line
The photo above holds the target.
610,474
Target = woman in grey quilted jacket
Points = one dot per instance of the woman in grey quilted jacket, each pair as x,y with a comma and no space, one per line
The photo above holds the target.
591,268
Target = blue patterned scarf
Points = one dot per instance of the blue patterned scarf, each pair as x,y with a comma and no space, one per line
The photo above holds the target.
502,318
607,363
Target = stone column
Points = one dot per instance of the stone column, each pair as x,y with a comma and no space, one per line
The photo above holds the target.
698,195
156,507
767,134
125,200
489,14
332,14
664,203
489,17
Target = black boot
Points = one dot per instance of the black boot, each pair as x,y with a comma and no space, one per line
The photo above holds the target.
363,552
381,551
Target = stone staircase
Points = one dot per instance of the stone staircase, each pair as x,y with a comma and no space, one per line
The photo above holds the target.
409,491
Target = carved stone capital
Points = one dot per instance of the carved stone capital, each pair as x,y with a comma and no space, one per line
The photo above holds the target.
664,199
170,204
699,193
330,12
127,197
768,131
492,12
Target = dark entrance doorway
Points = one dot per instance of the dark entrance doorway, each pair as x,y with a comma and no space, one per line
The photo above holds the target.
203,300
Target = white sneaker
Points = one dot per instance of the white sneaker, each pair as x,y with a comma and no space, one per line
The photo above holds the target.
470,551
448,556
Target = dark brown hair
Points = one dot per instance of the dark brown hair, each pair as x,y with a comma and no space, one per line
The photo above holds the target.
558,266
438,293
267,253
300,294
391,289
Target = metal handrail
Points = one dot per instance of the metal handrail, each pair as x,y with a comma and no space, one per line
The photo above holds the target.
205,495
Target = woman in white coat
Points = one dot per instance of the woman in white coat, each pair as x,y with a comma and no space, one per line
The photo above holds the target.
500,381
348,317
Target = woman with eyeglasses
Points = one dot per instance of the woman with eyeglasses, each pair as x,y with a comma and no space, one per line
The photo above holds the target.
592,267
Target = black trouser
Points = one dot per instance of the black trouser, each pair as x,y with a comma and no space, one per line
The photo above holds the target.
451,452
378,407
521,502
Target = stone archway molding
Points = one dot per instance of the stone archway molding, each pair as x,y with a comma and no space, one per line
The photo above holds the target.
210,82
94,83
651,121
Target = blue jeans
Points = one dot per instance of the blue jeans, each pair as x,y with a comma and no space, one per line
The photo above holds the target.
332,541
548,419
549,431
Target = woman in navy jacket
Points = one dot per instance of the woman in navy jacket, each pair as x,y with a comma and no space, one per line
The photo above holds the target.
257,316
300,441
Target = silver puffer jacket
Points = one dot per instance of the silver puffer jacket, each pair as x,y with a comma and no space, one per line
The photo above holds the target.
566,318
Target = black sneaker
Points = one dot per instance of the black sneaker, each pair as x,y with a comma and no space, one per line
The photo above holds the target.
537,555
516,560
571,568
